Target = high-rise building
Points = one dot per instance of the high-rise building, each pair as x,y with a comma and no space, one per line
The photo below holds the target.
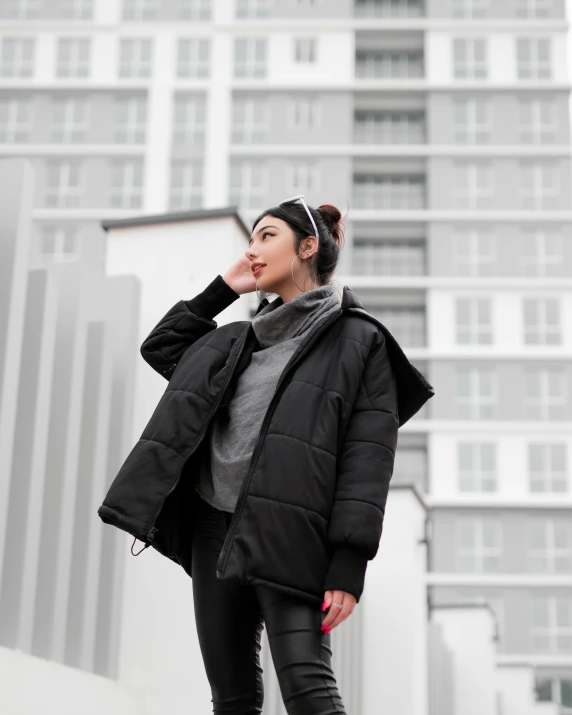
444,127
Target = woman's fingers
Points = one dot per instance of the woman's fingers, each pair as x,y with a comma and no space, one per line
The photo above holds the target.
336,615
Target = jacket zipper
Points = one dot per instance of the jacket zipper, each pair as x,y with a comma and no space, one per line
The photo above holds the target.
225,551
150,533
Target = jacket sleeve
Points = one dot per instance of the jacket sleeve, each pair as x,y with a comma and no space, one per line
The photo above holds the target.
183,324
365,467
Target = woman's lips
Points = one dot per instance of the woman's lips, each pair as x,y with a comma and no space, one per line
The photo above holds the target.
255,272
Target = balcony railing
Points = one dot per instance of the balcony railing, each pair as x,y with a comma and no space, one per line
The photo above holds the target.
372,257
371,127
389,192
389,64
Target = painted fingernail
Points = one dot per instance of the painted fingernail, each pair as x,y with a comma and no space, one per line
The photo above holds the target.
324,605
328,630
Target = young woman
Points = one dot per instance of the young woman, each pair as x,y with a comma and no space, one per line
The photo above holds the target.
265,468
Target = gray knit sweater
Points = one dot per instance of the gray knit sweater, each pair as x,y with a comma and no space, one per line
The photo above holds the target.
279,328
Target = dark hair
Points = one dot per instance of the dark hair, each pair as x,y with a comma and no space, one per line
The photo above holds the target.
328,220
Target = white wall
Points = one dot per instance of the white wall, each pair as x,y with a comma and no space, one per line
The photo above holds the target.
512,463
468,632
395,614
502,67
507,320
160,650
33,685
516,688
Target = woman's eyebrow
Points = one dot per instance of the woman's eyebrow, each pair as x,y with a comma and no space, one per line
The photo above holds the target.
262,229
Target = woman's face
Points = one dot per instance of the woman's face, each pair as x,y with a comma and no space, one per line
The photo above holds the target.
272,243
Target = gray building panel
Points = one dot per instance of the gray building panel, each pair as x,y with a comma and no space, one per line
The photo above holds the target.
503,123
509,258
495,9
506,189
510,376
284,9
514,542
336,117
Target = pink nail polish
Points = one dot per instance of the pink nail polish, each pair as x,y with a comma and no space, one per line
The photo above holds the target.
324,605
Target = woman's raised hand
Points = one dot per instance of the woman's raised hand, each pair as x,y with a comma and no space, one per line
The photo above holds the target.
239,276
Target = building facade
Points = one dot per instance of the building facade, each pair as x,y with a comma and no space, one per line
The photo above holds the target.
443,126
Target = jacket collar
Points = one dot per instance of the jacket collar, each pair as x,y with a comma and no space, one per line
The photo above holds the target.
413,390
349,300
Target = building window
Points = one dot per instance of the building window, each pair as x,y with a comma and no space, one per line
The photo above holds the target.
253,9
135,57
470,9
302,176
130,119
543,253
186,185
470,58
558,690
17,56
407,325
551,629
476,393
533,8
126,191
63,184
248,181
138,10
542,321
545,394
75,9
388,258
477,466
388,8
386,64
547,468
372,127
305,50
189,121
549,546
478,545
304,113
193,57
74,55
472,121
473,317
250,57
70,121
198,10
537,121
60,243
20,9
15,120
539,186
249,120
389,192
534,58
473,185
474,252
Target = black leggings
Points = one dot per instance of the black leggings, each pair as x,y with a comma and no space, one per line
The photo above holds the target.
230,617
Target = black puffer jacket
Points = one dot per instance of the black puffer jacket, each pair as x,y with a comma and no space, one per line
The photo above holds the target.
310,512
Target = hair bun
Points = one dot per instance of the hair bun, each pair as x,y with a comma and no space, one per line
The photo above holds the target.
332,217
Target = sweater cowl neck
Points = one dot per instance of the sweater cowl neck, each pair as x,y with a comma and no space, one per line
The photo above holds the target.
280,321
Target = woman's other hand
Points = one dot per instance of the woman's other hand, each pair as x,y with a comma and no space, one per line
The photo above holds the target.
336,615
239,276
